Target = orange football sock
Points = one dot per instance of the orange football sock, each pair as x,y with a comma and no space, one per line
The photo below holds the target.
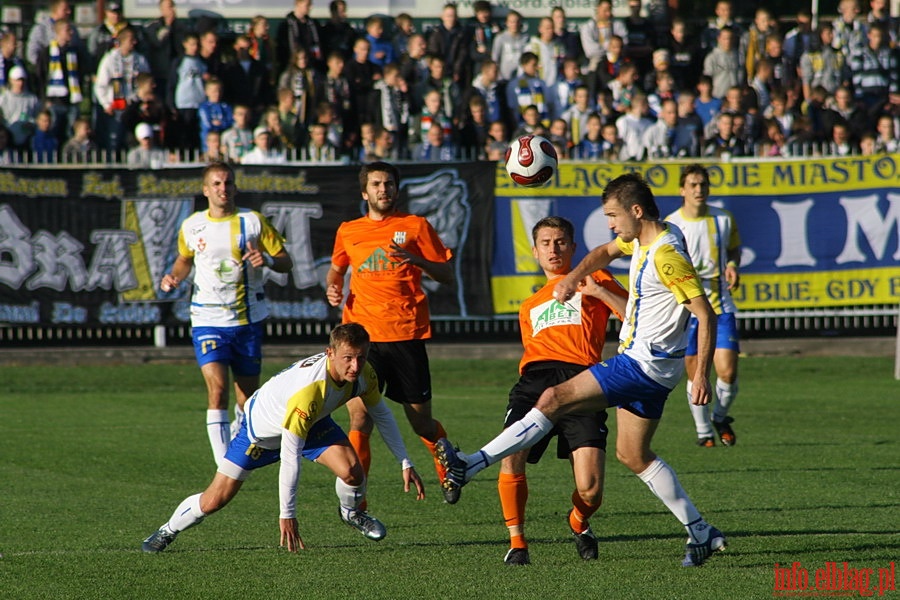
581,513
513,489
360,443
441,472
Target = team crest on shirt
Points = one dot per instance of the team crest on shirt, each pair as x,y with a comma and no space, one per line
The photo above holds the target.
399,237
201,245
553,313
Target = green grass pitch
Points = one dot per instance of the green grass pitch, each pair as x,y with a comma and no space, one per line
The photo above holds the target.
94,459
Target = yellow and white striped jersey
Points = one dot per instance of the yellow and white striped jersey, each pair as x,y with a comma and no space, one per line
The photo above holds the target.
227,290
707,241
654,331
301,395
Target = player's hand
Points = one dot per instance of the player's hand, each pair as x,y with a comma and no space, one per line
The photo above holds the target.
290,537
253,255
732,278
701,393
589,287
565,289
168,282
410,476
405,256
334,294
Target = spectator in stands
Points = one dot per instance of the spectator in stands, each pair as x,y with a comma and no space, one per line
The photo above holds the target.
591,145
723,64
244,79
381,50
291,126
886,141
43,144
103,37
706,105
849,29
114,86
558,135
604,107
480,35
665,138
9,57
361,75
846,110
214,113
43,30
81,146
162,42
60,78
724,144
437,146
186,92
213,145
366,140
842,143
874,69
548,50
690,123
779,112
509,46
562,93
640,37
763,83
531,124
262,49
665,90
800,39
303,82
279,139
414,68
527,89
404,29
784,74
868,145
146,155
576,116
238,140
685,54
822,65
383,147
631,127
570,40
439,80
336,134
473,128
298,30
609,66
391,107
146,107
319,149
624,87
753,42
338,34
262,152
210,54
879,14
448,40
7,155
596,33
334,90
431,113
492,90
724,17
662,63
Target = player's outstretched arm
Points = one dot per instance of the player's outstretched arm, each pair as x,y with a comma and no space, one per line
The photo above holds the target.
597,258
390,433
290,536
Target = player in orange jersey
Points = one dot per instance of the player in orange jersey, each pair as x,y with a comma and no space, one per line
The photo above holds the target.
388,251
560,340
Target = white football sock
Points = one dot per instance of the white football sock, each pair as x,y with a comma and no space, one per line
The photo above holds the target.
349,496
186,515
725,394
663,482
219,431
522,434
700,414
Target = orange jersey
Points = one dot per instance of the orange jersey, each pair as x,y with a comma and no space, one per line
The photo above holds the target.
385,296
571,332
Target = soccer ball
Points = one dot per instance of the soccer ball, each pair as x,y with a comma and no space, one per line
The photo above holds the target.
531,160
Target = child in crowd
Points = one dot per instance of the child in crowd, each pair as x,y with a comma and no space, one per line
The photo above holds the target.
186,93
44,144
591,145
80,145
214,113
300,78
238,140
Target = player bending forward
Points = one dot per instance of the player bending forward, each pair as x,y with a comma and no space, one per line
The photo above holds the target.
290,416
664,291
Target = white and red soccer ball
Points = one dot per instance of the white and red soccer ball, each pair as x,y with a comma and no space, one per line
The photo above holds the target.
531,160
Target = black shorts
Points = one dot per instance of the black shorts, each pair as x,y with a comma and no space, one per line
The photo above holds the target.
572,430
402,369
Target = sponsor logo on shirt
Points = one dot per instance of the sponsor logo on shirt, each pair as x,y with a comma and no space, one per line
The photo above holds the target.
399,237
553,313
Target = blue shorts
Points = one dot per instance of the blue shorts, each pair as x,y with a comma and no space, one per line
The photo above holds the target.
727,337
238,347
626,386
247,456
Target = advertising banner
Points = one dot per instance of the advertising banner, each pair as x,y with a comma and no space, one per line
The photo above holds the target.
816,233
90,247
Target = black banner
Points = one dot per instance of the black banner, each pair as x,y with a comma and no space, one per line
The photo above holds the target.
89,247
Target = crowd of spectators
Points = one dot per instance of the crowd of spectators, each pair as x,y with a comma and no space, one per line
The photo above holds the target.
654,86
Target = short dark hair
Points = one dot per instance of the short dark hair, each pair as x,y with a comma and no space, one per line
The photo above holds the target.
351,334
631,189
693,169
217,166
560,223
377,167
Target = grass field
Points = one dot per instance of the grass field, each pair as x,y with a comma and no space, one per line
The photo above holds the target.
95,459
